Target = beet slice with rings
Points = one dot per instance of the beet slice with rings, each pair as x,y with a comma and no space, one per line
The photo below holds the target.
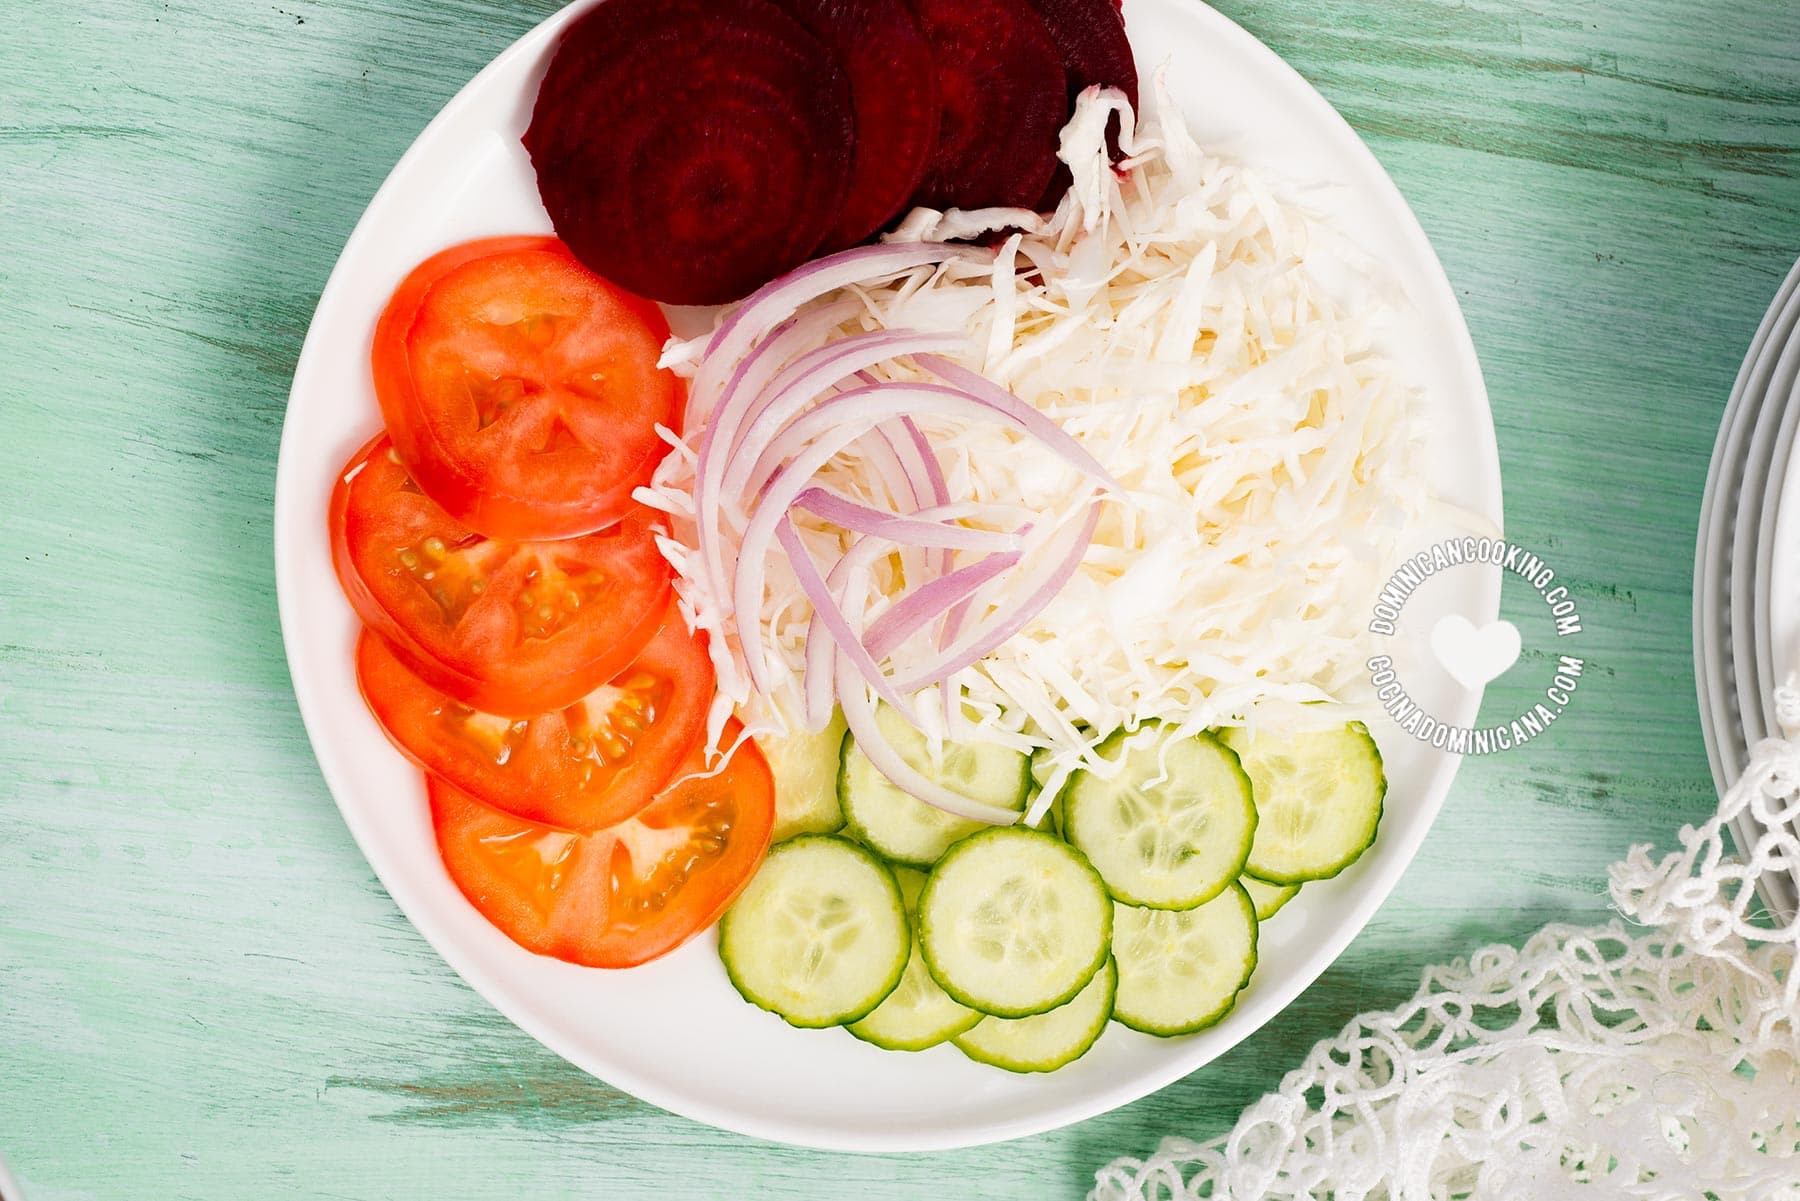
893,92
1090,36
1002,101
692,150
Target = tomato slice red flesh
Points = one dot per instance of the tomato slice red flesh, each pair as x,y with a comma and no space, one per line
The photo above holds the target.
596,762
514,628
627,893
521,389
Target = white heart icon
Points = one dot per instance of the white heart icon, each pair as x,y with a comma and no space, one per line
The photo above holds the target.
1474,656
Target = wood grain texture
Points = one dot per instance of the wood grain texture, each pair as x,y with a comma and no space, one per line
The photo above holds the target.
203,991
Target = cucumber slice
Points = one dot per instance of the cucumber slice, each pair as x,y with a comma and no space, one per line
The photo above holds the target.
1318,798
1182,970
904,829
1172,827
917,1014
1014,922
819,937
805,767
1267,899
1047,1041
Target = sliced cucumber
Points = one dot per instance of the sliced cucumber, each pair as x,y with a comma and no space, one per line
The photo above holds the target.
1014,922
1173,825
1047,1041
1318,798
820,935
805,767
1182,970
917,1014
1267,898
904,829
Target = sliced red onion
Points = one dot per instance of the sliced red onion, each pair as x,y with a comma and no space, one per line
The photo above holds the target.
1047,579
826,613
847,358
1037,424
809,377
926,603
859,715
752,373
808,444
898,528
884,459
781,298
748,379
746,594
940,487
889,400
894,433
885,464
934,471
849,577
763,395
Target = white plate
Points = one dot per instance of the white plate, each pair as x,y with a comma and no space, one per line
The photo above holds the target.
673,1032
1748,551
1776,588
1737,557
1719,507
1749,646
1781,465
1780,583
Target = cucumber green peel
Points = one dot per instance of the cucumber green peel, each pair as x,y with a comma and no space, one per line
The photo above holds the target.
917,1014
1171,826
1319,796
1049,1040
899,826
1268,899
1181,970
1014,922
1019,946
820,935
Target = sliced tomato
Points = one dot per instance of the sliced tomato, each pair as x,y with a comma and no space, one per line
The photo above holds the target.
515,628
596,762
619,896
521,389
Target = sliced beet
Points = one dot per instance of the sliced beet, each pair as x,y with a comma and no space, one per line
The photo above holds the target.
691,150
1090,36
1002,100
893,91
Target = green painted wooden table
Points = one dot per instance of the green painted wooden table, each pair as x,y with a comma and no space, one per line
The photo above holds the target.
204,993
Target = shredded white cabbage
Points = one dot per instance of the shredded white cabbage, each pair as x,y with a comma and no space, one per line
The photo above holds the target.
1167,318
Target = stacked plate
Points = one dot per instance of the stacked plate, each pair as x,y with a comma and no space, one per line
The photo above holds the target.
1747,563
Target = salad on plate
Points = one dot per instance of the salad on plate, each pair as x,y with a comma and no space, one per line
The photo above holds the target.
968,624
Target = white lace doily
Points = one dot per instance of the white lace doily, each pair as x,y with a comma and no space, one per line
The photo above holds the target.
1653,1062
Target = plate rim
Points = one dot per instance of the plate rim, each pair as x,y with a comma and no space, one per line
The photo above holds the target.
1370,895
1780,513
1768,514
1717,589
1720,499
1754,467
